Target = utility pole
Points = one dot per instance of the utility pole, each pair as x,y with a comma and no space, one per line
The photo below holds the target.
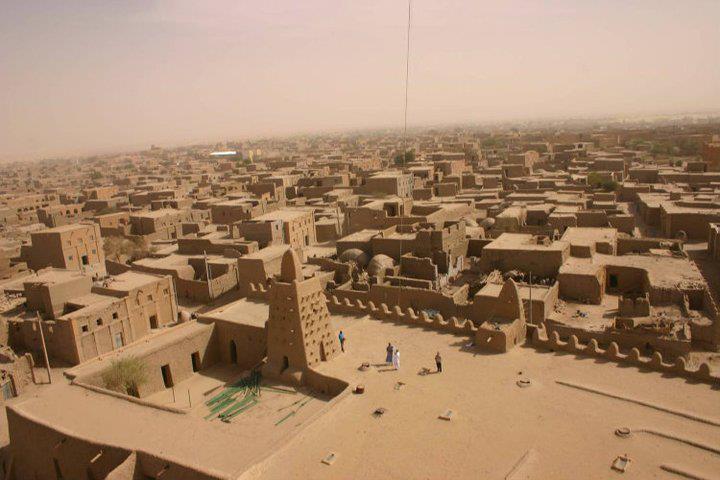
530,314
44,348
209,278
175,293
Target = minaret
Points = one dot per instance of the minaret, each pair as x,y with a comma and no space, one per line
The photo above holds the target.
299,332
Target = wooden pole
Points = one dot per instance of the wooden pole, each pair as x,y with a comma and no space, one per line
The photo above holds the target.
44,347
209,278
530,321
189,398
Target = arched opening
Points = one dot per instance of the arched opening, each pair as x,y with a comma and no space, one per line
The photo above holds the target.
233,352
286,363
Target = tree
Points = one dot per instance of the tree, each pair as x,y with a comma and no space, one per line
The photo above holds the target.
596,180
409,157
120,249
125,375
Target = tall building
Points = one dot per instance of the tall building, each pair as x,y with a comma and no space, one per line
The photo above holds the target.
299,332
73,247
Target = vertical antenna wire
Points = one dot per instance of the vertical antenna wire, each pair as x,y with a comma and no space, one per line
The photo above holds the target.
407,80
404,152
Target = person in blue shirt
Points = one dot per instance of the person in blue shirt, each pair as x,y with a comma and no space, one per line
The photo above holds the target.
341,336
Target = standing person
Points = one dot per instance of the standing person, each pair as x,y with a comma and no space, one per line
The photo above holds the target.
438,362
396,359
389,353
341,336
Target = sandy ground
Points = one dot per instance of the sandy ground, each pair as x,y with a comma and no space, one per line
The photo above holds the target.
597,317
272,406
568,432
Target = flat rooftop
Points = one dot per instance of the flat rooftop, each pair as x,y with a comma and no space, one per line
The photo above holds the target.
664,271
589,235
131,280
268,253
64,228
163,212
285,215
245,311
523,241
53,276
360,236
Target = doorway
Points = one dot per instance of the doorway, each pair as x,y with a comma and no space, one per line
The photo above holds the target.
167,376
286,363
233,352
613,280
153,321
118,340
195,359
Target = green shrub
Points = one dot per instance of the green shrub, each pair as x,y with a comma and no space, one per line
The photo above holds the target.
125,375
409,157
596,180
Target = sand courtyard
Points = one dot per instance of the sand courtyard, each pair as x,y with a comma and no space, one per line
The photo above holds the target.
499,430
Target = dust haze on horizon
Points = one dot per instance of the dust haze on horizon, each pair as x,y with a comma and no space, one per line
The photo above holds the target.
77,77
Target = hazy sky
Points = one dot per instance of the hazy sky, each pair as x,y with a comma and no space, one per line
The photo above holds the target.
91,75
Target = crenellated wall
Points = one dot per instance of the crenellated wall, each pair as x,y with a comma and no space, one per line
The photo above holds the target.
679,367
398,315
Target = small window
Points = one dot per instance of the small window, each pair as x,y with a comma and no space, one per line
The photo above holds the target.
84,328
115,316
99,322
70,257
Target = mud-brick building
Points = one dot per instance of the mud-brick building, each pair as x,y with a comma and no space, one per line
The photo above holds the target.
714,241
525,252
690,216
81,321
238,209
388,183
162,224
72,247
294,227
57,215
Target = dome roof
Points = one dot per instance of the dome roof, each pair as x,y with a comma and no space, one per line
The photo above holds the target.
379,263
355,255
487,223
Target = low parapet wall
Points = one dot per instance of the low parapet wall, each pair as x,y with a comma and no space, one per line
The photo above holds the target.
323,383
398,315
43,451
257,291
679,367
626,340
